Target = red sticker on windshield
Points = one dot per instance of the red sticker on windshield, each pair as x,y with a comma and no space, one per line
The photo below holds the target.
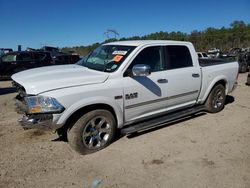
117,58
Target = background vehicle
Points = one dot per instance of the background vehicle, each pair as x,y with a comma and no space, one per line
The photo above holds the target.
242,56
5,51
202,55
52,50
59,58
127,85
63,59
214,50
14,62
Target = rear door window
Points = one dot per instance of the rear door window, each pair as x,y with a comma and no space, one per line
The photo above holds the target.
177,57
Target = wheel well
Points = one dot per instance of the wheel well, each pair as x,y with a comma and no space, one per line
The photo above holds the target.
80,112
222,82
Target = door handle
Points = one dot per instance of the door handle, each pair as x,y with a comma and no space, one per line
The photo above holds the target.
162,81
195,75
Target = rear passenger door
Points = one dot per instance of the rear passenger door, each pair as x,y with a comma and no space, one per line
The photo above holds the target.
183,79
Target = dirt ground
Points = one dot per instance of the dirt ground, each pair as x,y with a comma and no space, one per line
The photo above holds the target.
210,150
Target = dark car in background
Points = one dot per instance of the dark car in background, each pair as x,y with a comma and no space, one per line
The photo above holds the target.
63,59
242,55
59,57
5,51
14,62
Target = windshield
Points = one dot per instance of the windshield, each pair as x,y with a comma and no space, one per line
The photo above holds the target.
106,58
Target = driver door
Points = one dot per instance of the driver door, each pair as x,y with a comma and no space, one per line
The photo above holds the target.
145,95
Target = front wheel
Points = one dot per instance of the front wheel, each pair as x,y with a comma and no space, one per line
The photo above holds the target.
93,131
216,99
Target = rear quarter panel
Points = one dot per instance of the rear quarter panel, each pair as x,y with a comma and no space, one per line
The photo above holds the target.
211,75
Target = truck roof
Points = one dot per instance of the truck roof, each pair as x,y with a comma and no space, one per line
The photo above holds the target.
145,42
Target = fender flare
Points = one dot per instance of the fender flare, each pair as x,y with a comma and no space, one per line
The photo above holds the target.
214,82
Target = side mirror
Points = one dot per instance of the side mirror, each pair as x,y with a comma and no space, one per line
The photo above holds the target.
141,70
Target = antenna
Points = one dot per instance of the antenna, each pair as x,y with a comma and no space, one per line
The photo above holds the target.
111,33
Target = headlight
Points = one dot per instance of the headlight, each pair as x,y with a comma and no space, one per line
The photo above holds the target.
42,104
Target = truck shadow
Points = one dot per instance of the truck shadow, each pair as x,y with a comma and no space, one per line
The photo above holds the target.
133,135
149,85
229,100
7,90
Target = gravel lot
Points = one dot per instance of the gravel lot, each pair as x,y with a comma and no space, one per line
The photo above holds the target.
210,150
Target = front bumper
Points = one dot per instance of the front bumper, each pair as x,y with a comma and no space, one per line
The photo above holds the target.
36,121
40,121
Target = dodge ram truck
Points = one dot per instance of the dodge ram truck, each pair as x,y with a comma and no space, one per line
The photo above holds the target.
128,86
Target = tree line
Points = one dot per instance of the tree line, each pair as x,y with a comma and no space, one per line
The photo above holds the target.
237,35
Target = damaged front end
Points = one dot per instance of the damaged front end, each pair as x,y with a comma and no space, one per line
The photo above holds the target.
39,112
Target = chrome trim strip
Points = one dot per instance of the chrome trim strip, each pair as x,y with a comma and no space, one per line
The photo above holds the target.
160,100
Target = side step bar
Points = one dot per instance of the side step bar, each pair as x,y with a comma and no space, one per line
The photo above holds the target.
147,124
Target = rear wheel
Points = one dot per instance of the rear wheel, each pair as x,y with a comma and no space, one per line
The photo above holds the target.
216,99
92,132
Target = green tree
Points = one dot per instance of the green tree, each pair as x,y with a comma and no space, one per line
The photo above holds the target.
237,35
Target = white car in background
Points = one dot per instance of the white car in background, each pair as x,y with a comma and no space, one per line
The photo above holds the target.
202,55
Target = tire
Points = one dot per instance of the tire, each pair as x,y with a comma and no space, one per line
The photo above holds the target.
92,132
216,99
243,67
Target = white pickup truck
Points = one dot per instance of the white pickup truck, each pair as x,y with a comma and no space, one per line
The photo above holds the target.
126,85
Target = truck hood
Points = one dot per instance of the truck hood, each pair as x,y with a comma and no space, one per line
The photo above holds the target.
43,79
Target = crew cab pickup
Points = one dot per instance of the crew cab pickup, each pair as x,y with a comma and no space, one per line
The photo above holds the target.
125,85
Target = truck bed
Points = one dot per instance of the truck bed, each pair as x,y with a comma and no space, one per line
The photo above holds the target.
204,62
214,70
